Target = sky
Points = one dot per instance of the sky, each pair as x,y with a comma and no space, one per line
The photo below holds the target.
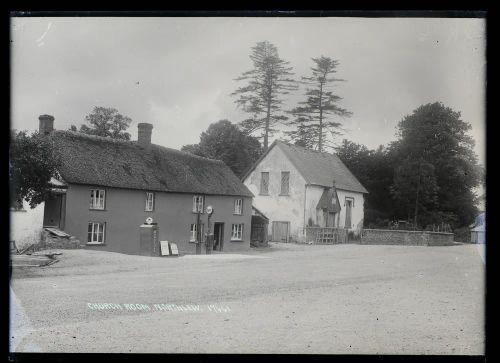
178,73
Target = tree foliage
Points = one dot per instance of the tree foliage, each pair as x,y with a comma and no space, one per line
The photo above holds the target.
106,122
32,163
313,117
374,169
414,188
436,135
224,141
261,97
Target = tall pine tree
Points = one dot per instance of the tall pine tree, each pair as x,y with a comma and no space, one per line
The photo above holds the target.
313,117
262,96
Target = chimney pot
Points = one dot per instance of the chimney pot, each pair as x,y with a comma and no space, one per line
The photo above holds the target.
144,134
46,124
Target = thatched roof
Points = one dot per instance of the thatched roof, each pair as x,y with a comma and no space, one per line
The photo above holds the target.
108,162
318,168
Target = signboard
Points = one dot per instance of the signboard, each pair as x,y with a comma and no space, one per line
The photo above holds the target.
164,251
175,251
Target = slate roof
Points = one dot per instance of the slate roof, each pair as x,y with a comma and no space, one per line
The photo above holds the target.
318,168
95,160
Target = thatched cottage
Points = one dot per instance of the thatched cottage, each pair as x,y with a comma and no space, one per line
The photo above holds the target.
110,187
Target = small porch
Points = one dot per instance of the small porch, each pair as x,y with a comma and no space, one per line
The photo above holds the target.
260,224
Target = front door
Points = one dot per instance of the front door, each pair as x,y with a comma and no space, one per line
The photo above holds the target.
218,236
280,231
348,209
52,211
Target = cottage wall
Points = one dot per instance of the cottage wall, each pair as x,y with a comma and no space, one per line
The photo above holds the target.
124,213
276,207
313,195
357,213
26,225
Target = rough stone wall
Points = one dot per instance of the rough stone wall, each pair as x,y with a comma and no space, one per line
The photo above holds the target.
49,241
405,238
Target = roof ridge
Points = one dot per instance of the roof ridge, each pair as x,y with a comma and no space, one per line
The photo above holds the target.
131,142
94,137
188,153
306,149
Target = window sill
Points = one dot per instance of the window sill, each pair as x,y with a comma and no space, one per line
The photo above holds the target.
97,209
236,240
150,211
95,244
237,214
264,194
284,195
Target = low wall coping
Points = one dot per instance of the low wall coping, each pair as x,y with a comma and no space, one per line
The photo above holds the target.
404,231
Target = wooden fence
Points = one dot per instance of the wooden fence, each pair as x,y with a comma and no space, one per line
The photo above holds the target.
326,235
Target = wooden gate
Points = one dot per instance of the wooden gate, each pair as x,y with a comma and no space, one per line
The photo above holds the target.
281,231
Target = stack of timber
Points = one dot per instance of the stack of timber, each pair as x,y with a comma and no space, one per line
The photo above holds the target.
36,259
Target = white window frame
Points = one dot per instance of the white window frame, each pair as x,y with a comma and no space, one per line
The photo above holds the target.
238,206
237,232
192,232
150,202
96,196
101,231
197,205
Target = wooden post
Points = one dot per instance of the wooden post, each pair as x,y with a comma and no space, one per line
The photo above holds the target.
198,233
208,240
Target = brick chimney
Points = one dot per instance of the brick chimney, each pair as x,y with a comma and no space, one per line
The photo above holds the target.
46,124
144,134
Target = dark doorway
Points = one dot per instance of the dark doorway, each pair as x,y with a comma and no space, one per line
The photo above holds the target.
218,236
53,212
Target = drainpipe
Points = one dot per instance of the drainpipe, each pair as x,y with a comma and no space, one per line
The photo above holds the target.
305,201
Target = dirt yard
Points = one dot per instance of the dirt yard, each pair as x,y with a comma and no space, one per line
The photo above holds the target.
288,298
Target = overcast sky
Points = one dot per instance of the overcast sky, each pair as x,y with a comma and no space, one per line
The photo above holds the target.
178,73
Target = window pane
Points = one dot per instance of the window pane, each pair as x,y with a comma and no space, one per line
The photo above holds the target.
285,179
264,183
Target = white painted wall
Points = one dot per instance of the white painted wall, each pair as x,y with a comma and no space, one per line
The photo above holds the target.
357,210
26,225
277,207
313,196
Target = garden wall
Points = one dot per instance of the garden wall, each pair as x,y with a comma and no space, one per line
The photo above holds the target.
405,238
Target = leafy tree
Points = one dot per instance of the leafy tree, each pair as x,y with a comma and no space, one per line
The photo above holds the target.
106,122
224,141
32,163
436,135
262,96
312,118
374,169
415,187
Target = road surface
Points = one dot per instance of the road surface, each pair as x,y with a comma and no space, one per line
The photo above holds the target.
288,298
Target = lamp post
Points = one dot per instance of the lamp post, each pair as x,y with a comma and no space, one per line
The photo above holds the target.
210,237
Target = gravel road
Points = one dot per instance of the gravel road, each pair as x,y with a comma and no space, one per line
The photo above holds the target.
288,298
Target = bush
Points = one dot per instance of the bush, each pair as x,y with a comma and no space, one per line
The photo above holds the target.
462,234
